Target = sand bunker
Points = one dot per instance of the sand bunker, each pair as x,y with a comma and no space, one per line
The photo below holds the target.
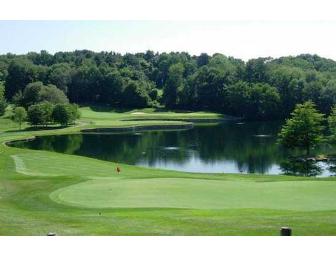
138,113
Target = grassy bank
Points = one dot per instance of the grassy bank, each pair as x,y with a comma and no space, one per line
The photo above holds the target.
44,191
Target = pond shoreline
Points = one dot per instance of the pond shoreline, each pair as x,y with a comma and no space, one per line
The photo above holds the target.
188,155
192,120
138,128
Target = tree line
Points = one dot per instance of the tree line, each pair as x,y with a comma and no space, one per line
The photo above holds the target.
40,105
262,88
44,114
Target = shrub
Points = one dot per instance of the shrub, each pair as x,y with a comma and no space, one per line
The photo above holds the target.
20,115
65,114
40,114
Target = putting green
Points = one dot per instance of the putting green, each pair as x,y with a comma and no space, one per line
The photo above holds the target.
199,194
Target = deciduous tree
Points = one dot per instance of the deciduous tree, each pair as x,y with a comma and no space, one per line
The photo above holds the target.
20,115
40,114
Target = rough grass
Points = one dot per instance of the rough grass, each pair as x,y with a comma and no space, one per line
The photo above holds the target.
71,195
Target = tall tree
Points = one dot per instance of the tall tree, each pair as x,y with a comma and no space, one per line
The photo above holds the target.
304,129
135,94
332,124
257,70
237,97
50,93
202,59
264,102
60,75
327,97
174,85
20,73
111,87
36,92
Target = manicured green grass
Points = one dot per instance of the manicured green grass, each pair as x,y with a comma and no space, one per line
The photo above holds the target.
110,114
71,195
198,194
147,116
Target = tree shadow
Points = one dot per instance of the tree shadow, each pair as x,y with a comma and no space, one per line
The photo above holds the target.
172,110
38,128
107,108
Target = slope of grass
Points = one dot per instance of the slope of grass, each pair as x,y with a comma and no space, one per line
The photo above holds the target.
71,195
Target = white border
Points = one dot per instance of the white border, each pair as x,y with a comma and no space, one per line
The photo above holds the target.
229,10
167,245
235,10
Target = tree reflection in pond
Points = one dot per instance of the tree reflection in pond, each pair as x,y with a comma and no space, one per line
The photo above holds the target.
301,167
227,147
332,168
308,168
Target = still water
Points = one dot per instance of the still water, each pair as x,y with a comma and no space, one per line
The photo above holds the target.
228,147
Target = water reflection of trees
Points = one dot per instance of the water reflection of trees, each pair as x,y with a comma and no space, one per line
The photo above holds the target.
230,142
241,144
61,143
210,144
301,167
332,168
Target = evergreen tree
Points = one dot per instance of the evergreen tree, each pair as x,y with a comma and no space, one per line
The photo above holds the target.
304,129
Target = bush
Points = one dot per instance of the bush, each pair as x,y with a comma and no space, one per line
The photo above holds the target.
65,114
40,114
20,115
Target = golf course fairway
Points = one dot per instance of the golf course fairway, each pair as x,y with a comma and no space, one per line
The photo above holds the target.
43,191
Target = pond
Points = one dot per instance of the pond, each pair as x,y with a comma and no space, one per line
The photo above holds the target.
228,147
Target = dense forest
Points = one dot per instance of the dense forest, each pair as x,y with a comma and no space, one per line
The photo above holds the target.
262,88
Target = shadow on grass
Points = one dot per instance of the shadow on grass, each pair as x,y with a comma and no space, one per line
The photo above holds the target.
38,128
107,108
163,109
171,110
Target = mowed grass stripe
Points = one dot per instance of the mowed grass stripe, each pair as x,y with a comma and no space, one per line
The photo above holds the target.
54,164
199,194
